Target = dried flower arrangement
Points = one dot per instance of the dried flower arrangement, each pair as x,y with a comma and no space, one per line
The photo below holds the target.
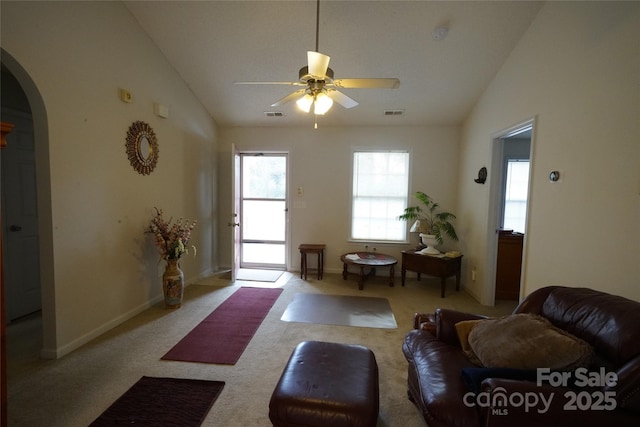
171,239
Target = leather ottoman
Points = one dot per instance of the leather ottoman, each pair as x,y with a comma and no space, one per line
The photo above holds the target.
327,384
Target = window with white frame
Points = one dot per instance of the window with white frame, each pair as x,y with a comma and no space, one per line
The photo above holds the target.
379,195
516,192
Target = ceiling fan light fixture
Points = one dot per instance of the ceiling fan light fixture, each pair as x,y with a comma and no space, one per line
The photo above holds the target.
305,102
320,90
318,64
322,104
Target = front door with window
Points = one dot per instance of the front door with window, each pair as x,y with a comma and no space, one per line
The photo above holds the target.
263,210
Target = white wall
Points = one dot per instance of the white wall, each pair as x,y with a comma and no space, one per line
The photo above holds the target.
105,269
320,162
576,70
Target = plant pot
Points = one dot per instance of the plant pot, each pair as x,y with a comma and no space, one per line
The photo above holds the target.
173,284
430,241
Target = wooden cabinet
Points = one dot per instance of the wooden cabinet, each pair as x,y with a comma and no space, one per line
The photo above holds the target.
509,265
439,266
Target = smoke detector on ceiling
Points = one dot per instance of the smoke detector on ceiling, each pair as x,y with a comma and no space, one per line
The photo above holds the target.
440,33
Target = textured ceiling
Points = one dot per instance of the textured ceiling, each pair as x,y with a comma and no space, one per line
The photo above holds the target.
212,44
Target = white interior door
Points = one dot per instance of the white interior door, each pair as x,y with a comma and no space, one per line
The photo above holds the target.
20,218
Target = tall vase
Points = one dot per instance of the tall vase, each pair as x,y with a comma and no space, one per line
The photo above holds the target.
173,284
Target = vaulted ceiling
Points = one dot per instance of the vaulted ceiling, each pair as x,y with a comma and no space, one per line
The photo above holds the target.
213,44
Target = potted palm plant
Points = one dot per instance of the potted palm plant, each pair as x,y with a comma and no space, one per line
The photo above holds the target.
431,224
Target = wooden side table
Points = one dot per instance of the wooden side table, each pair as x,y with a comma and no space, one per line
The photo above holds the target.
311,249
368,259
439,266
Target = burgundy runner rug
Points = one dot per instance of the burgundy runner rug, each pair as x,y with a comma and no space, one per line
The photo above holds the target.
162,402
223,335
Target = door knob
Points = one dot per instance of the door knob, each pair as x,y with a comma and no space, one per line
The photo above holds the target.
15,228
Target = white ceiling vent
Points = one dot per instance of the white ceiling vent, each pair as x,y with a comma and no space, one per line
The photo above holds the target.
393,112
274,114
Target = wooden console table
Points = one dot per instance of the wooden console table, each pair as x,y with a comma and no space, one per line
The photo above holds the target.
439,266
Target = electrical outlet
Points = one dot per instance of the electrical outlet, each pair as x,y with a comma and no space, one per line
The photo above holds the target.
473,275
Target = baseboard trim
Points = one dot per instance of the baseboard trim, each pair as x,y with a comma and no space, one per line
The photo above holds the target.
47,353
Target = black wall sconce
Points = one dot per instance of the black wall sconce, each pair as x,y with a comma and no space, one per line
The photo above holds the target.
482,176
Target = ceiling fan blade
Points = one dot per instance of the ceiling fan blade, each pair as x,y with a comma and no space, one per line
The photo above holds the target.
318,64
289,97
341,98
270,83
390,83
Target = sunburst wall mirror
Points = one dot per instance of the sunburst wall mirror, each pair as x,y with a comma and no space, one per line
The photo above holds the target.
142,147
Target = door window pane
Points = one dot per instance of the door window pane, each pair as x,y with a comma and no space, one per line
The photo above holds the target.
264,177
263,253
263,220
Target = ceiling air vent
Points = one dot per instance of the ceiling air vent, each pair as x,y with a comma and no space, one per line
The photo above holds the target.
393,112
274,114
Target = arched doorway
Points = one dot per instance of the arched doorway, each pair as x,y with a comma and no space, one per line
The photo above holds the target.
22,295
43,203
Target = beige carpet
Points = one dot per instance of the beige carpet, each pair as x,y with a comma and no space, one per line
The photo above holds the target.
74,390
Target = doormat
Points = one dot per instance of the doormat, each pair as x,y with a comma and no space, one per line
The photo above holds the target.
162,402
254,275
368,312
223,335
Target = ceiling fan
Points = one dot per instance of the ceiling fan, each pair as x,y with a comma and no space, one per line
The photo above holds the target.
318,87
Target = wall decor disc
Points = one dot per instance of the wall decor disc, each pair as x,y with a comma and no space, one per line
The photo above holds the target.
142,147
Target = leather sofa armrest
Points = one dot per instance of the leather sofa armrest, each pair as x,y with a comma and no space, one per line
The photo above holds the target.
425,322
446,320
627,388
534,301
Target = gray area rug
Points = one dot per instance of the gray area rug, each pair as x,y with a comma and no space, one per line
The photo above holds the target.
341,310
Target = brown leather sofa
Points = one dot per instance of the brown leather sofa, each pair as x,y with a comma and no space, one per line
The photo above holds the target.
610,324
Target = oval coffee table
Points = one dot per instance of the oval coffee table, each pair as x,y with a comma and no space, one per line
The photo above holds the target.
368,259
